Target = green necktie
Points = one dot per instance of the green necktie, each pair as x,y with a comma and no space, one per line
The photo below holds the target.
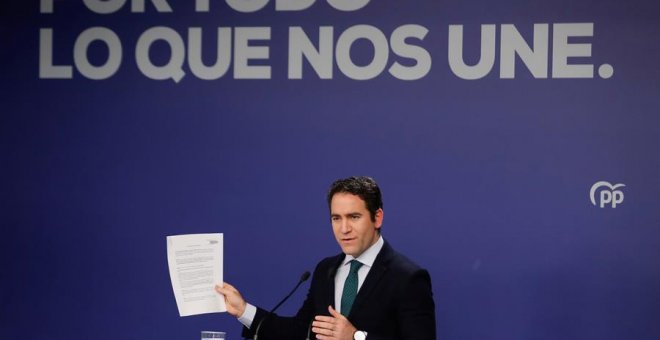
350,288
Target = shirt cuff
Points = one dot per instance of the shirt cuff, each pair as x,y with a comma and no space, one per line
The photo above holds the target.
248,315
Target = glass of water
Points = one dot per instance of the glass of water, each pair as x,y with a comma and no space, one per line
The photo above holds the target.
212,335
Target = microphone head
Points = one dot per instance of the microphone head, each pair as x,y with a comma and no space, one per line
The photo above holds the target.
304,276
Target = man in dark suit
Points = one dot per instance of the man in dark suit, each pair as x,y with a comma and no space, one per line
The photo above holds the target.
370,291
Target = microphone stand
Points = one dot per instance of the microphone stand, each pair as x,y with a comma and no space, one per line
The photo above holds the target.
303,278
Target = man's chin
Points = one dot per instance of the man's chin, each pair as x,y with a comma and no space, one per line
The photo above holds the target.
353,252
348,251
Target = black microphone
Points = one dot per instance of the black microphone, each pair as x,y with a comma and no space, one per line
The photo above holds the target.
303,278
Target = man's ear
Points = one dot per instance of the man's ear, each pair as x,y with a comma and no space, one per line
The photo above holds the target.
379,218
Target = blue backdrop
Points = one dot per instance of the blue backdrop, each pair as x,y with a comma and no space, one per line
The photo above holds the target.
487,125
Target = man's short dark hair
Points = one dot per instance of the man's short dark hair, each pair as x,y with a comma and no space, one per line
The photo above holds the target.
363,187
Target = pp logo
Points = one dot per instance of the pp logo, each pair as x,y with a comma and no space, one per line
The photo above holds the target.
609,195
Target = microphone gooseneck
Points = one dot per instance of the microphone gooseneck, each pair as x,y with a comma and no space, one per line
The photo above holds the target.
309,331
303,278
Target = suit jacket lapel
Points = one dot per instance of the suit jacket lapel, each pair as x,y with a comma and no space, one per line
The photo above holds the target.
332,271
373,278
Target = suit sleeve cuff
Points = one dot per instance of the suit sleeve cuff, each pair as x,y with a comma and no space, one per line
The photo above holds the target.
248,315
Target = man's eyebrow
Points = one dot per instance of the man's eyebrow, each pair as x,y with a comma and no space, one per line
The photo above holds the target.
347,214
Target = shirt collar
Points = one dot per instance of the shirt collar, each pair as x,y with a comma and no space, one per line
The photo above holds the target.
368,257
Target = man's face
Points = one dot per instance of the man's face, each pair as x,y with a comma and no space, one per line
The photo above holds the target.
352,225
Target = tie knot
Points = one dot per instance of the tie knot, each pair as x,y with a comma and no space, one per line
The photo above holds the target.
355,265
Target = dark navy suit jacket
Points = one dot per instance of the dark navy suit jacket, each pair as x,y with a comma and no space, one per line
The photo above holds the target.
394,302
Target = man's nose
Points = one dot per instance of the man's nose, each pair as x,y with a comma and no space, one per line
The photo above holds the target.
346,226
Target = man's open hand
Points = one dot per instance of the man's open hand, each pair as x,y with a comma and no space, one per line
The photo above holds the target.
333,327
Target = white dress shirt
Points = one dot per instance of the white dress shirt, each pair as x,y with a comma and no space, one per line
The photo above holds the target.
367,259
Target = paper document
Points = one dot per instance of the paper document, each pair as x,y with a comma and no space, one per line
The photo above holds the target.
195,263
